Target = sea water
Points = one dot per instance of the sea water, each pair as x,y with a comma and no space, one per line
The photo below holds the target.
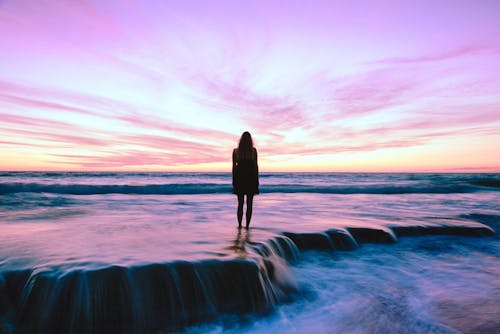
59,225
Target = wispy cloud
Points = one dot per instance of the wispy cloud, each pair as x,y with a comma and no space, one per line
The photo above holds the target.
448,55
265,111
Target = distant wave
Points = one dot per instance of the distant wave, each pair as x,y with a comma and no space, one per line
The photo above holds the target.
494,183
216,188
149,189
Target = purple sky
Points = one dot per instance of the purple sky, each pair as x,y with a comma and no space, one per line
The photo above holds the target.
321,85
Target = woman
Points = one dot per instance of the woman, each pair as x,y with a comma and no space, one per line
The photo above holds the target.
245,175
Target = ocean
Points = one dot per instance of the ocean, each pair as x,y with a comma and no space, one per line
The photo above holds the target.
103,252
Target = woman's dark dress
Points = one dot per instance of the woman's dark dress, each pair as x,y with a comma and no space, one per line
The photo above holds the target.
246,174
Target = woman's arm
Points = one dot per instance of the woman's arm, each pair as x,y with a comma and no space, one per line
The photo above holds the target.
256,167
234,164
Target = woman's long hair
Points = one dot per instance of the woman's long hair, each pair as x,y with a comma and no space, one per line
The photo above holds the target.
246,142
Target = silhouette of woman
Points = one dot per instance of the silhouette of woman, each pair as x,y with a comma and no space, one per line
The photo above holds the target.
245,175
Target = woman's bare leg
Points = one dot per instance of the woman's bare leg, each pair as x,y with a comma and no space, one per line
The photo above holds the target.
249,209
239,212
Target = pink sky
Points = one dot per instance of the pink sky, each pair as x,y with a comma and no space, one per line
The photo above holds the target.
321,85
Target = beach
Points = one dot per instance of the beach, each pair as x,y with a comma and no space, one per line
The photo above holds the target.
326,252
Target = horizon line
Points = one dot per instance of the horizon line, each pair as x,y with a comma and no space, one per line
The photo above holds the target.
478,170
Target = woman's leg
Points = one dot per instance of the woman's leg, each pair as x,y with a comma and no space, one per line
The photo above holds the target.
249,209
239,212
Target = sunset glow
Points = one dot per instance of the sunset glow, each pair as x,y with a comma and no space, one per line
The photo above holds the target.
321,85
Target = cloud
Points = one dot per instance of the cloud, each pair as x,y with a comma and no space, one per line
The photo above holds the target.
151,122
168,144
36,97
263,111
53,139
331,149
370,92
449,55
132,158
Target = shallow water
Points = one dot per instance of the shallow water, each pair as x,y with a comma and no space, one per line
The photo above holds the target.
55,230
54,226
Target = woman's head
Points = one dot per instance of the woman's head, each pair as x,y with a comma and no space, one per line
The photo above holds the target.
246,143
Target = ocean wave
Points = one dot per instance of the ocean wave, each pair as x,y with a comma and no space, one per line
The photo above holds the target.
149,189
217,188
494,183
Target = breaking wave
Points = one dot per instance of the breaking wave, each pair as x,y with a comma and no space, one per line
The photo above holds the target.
217,188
